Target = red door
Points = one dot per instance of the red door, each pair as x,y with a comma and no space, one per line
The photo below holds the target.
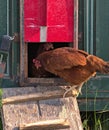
48,20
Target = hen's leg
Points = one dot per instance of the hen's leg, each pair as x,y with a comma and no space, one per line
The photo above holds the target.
79,87
76,89
73,89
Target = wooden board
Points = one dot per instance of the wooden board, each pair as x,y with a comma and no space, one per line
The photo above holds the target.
35,97
19,113
57,123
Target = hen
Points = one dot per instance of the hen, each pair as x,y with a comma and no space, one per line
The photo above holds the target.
74,66
41,72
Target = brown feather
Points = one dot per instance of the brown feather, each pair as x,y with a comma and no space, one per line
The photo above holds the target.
62,58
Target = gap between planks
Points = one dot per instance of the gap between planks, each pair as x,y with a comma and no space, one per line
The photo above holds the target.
35,97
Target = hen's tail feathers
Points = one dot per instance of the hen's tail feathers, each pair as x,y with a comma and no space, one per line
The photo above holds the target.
106,68
98,64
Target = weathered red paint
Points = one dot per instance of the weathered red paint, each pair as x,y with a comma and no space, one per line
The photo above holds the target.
56,15
34,17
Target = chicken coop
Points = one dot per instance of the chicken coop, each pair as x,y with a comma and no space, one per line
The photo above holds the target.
80,24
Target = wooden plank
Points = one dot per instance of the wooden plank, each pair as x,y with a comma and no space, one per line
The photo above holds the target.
26,59
73,113
35,97
76,24
57,123
22,50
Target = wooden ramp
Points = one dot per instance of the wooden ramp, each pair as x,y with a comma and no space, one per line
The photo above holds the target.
36,108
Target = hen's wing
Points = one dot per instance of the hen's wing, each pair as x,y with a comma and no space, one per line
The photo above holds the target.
63,58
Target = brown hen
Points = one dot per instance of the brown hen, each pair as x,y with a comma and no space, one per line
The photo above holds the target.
74,66
41,72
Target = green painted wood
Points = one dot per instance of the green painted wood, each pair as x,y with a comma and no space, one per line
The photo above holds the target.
9,24
81,25
102,28
97,87
15,23
3,18
96,31
94,105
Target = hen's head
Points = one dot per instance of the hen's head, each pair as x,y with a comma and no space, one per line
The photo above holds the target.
48,46
43,47
37,63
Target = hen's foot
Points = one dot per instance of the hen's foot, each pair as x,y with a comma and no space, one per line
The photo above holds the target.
75,93
73,90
